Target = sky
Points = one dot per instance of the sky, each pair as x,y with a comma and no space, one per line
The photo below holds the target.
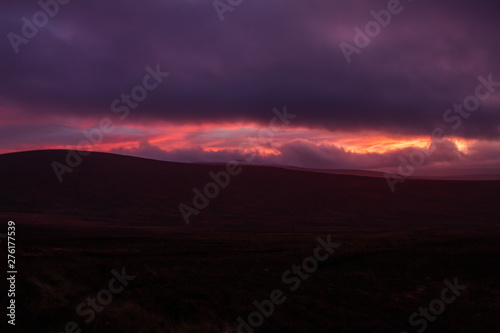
347,99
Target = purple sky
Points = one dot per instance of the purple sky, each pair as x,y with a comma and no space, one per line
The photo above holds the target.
226,75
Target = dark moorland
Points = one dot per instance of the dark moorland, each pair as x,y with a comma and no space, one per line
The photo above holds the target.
115,212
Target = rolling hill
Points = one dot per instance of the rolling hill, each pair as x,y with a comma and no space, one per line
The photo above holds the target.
125,190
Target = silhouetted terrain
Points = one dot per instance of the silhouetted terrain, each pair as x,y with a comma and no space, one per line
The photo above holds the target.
128,190
112,211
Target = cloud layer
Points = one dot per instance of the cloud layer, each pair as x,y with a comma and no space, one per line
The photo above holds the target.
264,54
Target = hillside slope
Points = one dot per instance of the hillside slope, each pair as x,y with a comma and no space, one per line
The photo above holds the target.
131,190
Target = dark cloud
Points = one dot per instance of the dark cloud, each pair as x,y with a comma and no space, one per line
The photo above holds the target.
264,54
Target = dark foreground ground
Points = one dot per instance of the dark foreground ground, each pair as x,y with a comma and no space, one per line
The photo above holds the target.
203,282
116,215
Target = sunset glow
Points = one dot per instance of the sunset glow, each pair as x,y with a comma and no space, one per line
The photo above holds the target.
204,99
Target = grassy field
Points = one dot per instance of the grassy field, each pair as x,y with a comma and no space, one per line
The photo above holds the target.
202,283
